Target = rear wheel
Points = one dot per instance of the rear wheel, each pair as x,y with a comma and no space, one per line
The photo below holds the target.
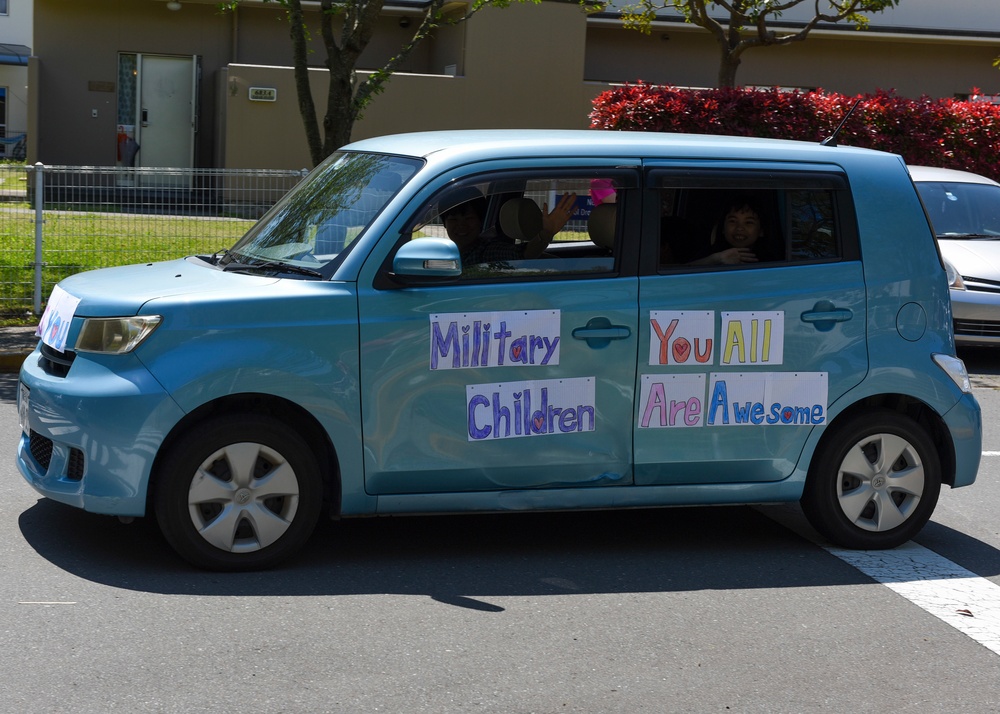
873,482
238,493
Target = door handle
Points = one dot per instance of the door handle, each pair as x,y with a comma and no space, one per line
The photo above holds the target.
599,332
825,315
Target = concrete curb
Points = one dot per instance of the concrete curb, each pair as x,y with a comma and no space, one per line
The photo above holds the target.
11,361
16,343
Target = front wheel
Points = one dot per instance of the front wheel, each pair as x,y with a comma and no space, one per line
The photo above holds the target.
873,482
240,492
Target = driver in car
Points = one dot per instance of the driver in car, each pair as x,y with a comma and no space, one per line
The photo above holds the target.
463,222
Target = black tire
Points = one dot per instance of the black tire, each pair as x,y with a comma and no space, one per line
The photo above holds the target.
239,492
874,481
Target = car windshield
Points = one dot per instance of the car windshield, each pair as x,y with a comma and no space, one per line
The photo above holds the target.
321,217
962,210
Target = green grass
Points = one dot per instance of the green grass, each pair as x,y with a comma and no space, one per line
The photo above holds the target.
75,242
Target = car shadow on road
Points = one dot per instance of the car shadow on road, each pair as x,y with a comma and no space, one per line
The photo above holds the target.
466,560
980,360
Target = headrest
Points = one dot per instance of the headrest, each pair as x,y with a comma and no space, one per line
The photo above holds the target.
601,225
521,219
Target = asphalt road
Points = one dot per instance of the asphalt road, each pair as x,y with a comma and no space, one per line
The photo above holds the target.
731,609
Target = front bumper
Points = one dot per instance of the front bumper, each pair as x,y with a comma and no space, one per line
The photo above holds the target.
965,424
976,316
94,434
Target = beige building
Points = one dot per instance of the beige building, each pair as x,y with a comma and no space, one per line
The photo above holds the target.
156,83
15,49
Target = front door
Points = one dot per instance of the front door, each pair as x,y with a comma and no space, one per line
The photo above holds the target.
518,376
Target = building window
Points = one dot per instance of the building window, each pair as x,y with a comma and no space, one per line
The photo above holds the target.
3,7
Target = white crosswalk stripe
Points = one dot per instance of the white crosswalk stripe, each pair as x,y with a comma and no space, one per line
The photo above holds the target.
957,596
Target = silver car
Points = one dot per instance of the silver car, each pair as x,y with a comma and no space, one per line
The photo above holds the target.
965,211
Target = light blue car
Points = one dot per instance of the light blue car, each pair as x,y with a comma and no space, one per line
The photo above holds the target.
509,321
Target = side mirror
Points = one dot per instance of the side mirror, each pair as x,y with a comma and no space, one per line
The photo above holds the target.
427,258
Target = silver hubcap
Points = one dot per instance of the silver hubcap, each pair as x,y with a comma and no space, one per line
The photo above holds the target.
880,482
243,497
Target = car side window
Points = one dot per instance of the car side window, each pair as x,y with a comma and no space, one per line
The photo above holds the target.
812,225
738,222
524,226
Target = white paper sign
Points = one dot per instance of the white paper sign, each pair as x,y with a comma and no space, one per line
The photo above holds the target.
530,408
671,400
681,337
761,398
53,328
752,338
520,338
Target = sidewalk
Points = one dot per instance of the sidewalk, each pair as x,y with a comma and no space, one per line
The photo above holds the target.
16,343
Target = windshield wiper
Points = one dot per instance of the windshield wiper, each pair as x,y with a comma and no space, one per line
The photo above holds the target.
273,265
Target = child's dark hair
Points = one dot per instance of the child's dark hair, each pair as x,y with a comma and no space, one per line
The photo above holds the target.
742,201
457,202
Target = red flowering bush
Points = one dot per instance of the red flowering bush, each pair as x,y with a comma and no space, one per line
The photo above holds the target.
934,132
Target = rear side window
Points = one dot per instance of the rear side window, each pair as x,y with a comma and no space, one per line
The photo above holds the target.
812,225
746,219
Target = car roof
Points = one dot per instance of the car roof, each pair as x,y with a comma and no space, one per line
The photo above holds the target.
932,173
477,144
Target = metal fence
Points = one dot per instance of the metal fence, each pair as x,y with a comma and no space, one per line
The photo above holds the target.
60,220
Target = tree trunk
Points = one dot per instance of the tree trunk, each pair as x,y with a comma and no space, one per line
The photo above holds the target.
728,64
307,108
338,122
342,107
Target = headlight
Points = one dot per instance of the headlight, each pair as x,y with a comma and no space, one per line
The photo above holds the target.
115,335
954,279
955,368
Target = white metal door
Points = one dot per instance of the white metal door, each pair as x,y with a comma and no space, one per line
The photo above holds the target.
166,111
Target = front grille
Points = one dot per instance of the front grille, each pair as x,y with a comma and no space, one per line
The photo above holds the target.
40,448
56,363
981,288
977,328
981,285
41,451
74,469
